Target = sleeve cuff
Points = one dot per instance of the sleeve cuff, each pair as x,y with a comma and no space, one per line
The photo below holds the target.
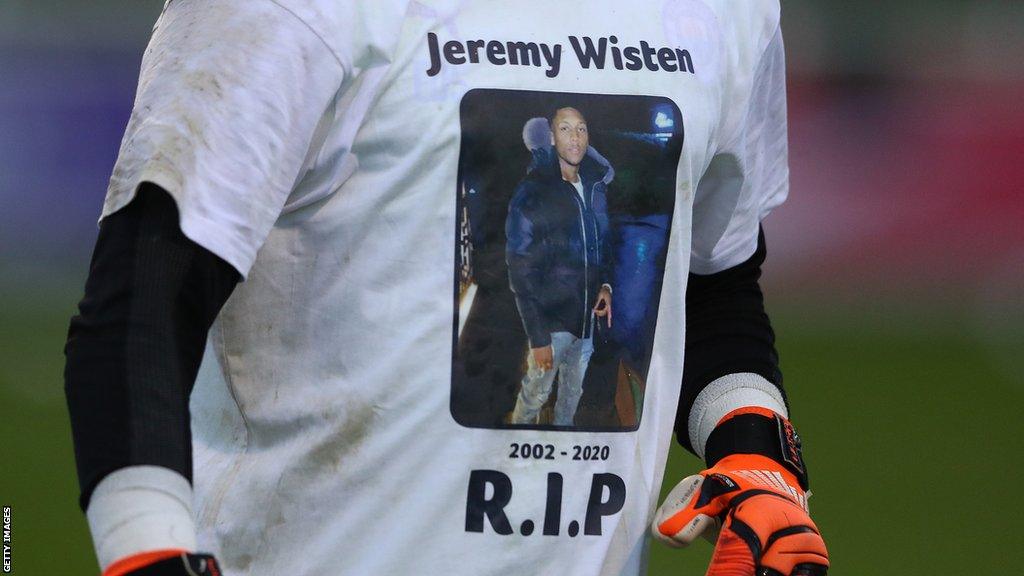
140,509
726,394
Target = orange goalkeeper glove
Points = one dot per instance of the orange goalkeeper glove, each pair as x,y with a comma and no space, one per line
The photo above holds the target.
756,502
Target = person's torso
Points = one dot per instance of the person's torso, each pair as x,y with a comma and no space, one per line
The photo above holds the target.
568,224
351,412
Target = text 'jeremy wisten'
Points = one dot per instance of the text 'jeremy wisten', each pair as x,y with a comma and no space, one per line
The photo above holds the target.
599,54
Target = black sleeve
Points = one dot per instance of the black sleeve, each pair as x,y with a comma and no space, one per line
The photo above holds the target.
727,332
524,267
134,348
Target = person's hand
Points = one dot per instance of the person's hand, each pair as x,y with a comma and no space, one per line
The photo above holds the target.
165,563
603,306
762,512
543,357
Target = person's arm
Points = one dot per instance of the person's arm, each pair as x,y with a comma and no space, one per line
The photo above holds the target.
752,498
604,299
524,268
733,412
218,138
133,352
731,361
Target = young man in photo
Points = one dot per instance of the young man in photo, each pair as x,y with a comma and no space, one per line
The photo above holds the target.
557,251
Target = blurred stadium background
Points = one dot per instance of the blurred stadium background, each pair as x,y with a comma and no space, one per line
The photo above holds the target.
895,275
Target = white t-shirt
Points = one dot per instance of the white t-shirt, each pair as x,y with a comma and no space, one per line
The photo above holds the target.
578,185
334,153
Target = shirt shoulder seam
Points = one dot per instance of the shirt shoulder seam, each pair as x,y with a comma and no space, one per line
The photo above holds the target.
313,30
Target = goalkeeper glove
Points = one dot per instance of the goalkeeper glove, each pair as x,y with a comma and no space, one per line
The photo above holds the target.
754,496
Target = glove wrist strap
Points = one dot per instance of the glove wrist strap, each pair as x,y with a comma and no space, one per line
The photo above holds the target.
169,563
756,433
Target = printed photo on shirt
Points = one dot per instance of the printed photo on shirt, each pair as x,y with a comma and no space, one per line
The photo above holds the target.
565,206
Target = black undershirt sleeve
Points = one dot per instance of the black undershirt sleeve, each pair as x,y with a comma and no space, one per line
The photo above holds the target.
727,332
135,346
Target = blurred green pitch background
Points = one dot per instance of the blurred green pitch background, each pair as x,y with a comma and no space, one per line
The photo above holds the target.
895,277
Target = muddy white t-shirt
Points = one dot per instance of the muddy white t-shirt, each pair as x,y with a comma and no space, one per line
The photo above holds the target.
377,173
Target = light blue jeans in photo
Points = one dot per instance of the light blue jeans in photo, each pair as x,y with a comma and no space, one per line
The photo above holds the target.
571,355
